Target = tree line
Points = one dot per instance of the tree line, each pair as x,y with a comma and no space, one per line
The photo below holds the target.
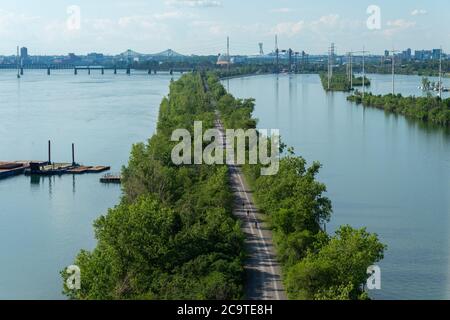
432,109
340,82
173,235
315,265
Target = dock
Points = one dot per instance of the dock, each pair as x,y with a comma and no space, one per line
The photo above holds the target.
62,168
46,168
111,178
14,168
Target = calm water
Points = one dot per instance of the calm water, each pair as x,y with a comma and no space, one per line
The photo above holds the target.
45,222
382,171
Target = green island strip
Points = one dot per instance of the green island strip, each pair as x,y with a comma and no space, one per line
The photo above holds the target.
316,266
173,234
430,109
340,82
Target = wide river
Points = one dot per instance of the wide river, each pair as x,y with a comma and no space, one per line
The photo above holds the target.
44,223
382,171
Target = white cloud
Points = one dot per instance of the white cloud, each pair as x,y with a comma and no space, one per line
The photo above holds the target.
282,10
417,12
330,20
398,25
289,29
10,22
194,3
168,15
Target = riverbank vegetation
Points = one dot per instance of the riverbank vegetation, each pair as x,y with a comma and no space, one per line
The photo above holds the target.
421,68
315,265
173,236
429,108
340,82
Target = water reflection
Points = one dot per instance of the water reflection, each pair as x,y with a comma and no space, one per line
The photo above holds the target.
45,221
382,171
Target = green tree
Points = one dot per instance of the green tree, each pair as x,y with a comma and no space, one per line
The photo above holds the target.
338,269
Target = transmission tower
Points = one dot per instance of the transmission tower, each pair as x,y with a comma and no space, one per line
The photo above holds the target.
440,74
350,68
330,64
261,49
228,55
277,52
393,70
364,71
290,59
18,62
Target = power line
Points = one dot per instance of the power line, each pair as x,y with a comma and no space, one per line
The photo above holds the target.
440,73
393,70
228,55
363,69
18,62
330,64
277,51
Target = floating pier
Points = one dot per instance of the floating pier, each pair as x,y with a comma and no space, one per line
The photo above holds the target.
62,168
47,168
111,178
13,168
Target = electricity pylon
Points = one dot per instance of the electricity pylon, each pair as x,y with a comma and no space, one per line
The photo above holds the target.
330,64
363,70
440,74
393,70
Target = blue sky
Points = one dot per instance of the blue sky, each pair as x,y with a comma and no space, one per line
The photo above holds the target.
201,26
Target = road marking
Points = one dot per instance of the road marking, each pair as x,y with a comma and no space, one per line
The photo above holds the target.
264,241
253,209
258,254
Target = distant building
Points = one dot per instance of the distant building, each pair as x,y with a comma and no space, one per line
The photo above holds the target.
223,60
386,53
436,54
95,57
406,54
423,55
24,53
24,58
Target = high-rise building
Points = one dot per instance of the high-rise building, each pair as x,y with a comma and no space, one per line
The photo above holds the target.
24,53
406,54
436,54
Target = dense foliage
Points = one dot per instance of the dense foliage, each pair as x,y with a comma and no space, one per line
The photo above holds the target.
421,68
428,108
340,82
173,235
315,265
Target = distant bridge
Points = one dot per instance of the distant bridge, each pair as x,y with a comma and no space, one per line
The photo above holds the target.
89,69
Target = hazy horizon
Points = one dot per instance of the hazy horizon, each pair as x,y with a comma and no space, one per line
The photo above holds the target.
200,27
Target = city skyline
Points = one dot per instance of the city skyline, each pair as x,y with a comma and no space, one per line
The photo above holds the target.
201,26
